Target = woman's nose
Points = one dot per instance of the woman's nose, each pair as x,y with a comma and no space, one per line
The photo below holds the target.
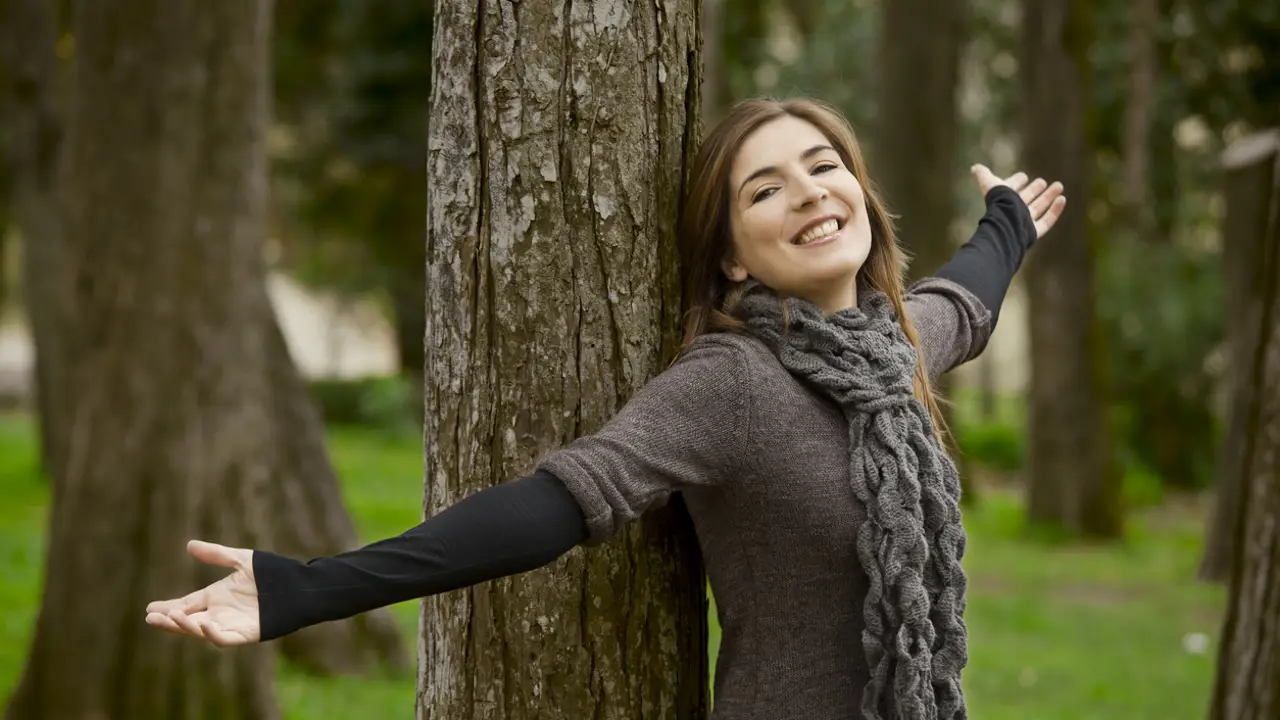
808,191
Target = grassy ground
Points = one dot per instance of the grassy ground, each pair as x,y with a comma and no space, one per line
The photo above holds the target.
1057,632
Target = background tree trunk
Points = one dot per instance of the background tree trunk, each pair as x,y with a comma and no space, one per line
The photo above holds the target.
915,146
169,434
29,30
1249,656
1249,182
560,136
1073,481
916,132
184,415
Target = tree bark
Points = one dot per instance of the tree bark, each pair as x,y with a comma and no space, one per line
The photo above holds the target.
1251,172
34,130
1073,482
561,134
178,421
1248,669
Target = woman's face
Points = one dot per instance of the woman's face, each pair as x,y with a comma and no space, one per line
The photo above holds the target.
798,215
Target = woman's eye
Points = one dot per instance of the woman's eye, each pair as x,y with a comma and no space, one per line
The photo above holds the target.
762,194
824,167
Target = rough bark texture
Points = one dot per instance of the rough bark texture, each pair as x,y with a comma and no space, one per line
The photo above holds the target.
1248,675
34,130
559,137
183,417
1074,484
1251,173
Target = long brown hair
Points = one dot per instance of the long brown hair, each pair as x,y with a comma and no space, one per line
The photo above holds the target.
710,298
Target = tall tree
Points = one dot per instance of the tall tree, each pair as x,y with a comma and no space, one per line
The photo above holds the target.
184,417
560,140
1249,191
917,122
1248,668
1074,483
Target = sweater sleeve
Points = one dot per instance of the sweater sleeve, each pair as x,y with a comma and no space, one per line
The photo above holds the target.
686,428
954,311
503,530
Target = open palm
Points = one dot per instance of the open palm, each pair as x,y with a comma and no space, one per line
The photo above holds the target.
224,613
1045,201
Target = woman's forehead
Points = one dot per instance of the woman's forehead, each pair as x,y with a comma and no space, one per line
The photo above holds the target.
781,140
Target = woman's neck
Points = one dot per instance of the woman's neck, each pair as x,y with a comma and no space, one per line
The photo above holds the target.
841,297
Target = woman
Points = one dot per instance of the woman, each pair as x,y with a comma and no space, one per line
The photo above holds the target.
799,422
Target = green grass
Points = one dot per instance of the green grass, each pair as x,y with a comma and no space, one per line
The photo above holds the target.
1057,631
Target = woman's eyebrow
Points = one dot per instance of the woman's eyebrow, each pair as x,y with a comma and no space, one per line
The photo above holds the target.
769,169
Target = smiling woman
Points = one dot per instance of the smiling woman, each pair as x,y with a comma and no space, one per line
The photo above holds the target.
797,423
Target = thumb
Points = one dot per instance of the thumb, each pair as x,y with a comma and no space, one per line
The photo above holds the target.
985,178
215,554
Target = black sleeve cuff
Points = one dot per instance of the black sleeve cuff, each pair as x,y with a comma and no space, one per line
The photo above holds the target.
987,263
504,530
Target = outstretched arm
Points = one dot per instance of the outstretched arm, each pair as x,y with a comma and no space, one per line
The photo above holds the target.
955,310
1018,213
504,530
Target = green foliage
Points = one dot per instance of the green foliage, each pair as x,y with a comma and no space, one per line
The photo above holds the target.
1162,305
831,55
353,82
998,445
383,403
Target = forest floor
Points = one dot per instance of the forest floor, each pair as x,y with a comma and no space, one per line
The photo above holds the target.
1057,631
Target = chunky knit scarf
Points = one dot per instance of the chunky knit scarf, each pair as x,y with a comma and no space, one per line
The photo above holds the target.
911,544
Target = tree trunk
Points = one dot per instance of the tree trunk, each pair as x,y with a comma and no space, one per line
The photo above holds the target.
1248,669
178,422
34,130
560,139
915,149
169,432
1250,177
1073,481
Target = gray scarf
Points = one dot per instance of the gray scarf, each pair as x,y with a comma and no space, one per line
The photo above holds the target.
912,542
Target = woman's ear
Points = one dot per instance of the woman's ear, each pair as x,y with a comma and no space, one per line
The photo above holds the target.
733,269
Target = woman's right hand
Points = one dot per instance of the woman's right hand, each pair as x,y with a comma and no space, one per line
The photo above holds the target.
224,613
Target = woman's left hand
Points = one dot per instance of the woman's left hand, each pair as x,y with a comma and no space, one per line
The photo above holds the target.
1045,201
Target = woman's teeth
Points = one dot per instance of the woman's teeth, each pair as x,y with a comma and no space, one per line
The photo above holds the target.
817,233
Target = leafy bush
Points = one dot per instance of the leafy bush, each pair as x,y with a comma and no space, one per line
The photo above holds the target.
998,444
384,403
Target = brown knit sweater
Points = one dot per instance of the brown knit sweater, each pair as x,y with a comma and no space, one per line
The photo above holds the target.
763,465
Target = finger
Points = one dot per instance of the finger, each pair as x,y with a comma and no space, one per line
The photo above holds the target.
186,624
985,178
189,603
220,555
1050,218
215,634
1044,200
1016,181
163,622
1032,190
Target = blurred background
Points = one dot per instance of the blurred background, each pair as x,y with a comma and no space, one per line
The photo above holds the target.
1102,434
